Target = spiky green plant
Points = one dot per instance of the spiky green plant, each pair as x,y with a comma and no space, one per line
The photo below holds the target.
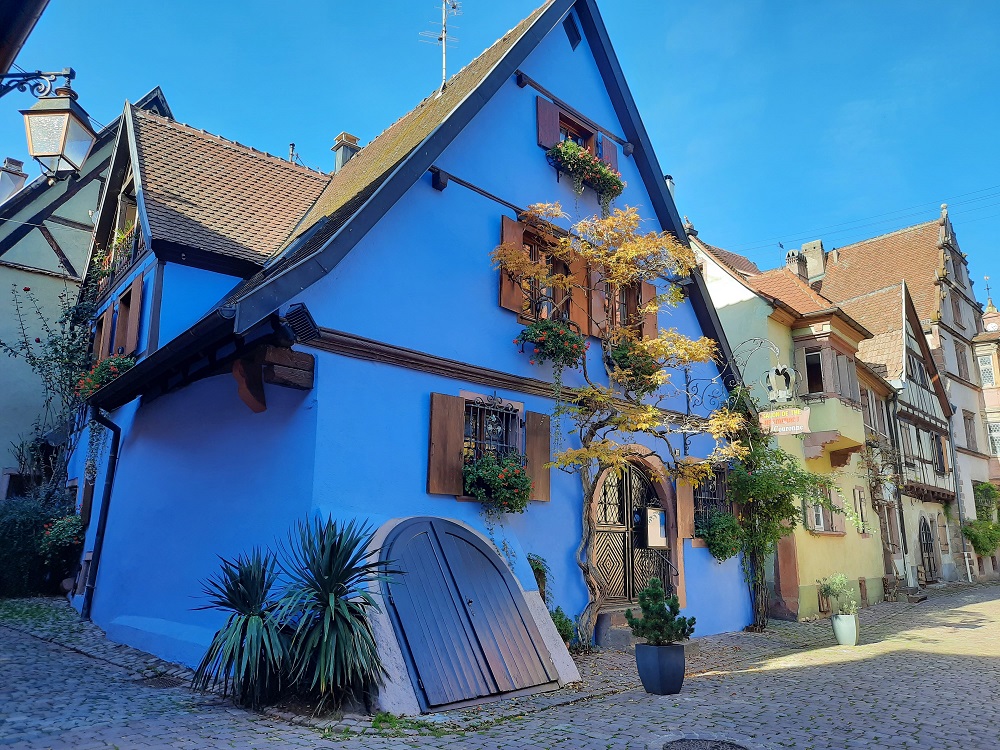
326,603
248,653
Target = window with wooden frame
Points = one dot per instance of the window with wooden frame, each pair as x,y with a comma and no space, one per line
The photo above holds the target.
556,124
970,430
102,334
962,358
906,441
127,324
956,310
462,427
814,371
937,453
822,519
861,508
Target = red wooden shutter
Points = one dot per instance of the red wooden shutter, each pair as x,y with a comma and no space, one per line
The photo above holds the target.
598,311
650,325
511,293
444,460
537,451
135,308
548,122
609,153
104,338
579,303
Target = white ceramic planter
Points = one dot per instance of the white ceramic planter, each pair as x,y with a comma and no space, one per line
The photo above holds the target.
846,629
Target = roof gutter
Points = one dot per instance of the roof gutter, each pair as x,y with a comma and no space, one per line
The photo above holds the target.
102,521
123,389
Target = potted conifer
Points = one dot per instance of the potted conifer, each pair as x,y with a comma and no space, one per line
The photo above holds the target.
660,660
845,622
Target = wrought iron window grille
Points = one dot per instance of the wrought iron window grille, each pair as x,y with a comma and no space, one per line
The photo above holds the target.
710,495
492,425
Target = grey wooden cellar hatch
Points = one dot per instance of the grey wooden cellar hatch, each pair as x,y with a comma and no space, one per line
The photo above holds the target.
460,617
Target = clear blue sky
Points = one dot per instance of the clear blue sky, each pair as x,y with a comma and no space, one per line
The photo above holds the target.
781,122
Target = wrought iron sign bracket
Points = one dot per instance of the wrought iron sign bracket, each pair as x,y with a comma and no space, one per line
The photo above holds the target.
38,82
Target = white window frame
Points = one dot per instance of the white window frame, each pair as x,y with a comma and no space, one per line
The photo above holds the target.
993,431
987,375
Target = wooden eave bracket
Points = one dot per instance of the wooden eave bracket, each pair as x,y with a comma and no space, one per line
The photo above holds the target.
274,365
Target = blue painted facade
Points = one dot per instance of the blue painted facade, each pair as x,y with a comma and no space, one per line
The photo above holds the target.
200,475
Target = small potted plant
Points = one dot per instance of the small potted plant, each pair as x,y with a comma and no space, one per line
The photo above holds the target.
845,622
660,660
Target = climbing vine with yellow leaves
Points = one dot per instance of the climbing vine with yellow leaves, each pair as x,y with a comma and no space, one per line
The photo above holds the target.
616,414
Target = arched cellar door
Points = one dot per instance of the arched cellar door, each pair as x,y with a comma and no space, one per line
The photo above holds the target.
461,619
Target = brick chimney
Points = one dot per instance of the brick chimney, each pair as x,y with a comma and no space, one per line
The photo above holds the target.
344,148
796,263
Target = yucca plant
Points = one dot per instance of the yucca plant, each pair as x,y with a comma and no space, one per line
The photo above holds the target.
326,605
249,653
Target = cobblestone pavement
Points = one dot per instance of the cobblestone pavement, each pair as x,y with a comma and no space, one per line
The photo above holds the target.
926,676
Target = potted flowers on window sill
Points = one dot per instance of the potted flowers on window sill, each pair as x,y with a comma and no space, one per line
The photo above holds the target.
499,481
586,170
845,622
660,660
102,373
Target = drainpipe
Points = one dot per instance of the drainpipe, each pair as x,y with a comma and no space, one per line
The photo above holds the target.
958,494
898,444
102,521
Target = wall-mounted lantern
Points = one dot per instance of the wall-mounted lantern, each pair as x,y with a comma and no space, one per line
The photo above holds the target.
59,133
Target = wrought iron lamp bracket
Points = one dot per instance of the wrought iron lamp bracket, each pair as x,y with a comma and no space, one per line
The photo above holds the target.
38,82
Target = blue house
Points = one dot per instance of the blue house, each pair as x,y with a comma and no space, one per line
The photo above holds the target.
312,343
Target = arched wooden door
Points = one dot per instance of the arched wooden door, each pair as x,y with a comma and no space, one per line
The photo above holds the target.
927,556
462,622
621,555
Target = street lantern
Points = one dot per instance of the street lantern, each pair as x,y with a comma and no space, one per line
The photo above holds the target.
59,134
12,178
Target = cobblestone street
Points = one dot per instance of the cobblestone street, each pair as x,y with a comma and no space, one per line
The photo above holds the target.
926,675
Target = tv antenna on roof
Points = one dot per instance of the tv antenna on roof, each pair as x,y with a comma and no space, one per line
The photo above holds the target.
448,8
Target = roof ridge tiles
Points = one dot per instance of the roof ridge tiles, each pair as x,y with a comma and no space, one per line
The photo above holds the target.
191,129
887,234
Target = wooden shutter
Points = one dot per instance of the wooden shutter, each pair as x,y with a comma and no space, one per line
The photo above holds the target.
548,123
104,334
538,433
650,325
444,460
87,502
598,311
800,370
511,293
135,308
609,153
579,303
685,509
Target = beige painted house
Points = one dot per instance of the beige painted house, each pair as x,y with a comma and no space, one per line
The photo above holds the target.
45,233
847,404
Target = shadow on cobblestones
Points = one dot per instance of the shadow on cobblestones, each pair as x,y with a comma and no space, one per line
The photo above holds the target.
909,684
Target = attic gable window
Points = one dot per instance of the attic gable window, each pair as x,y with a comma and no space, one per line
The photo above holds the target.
556,124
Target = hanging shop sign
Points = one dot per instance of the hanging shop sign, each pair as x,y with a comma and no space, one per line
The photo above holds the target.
790,421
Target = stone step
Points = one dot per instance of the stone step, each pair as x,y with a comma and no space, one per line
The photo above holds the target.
916,598
621,639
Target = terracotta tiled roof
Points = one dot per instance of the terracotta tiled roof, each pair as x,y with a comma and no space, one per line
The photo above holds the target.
739,263
910,255
787,287
881,312
219,196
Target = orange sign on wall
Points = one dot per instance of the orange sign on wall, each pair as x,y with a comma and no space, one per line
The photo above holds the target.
792,421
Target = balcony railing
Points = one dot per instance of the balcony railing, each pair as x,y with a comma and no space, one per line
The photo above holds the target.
127,246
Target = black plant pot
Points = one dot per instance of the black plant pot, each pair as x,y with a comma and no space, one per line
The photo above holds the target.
661,668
